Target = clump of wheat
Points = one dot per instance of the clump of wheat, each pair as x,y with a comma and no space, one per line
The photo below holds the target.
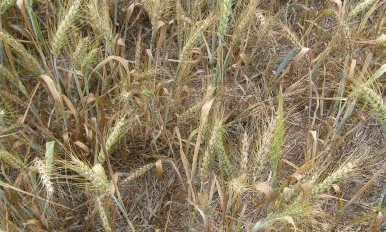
5,5
28,60
61,34
117,132
13,160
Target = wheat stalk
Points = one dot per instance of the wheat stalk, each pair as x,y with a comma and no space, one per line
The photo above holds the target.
61,34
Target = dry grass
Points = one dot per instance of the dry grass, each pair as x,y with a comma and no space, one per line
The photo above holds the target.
194,115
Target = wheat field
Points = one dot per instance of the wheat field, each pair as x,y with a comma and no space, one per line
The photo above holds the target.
192,115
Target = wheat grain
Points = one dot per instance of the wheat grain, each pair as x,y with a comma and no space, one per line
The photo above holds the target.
29,62
138,52
206,161
246,19
287,215
100,20
244,153
61,34
97,179
237,185
377,106
362,6
45,177
118,131
88,60
184,65
225,13
262,148
216,146
103,214
189,113
6,95
180,16
277,142
5,5
138,173
13,160
341,173
80,50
